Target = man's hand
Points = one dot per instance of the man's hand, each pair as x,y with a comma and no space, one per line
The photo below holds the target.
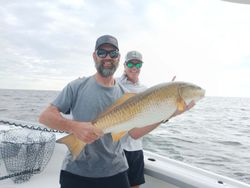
86,132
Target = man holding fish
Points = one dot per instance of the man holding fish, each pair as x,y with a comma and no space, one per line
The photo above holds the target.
95,158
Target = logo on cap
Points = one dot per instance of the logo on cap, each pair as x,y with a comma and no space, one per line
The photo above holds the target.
133,55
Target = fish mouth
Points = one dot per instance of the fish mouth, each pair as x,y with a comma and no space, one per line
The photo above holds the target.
203,91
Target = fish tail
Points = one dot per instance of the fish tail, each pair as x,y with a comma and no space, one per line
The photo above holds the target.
74,145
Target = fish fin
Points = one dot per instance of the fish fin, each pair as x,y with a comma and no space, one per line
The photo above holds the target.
118,102
117,136
74,145
181,105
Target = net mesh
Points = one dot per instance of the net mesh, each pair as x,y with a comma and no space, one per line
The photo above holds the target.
24,153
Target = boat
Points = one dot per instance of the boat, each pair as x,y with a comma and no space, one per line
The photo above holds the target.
238,1
160,171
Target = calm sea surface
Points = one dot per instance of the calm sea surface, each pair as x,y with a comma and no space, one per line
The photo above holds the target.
214,135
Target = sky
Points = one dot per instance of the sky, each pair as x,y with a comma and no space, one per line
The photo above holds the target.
44,44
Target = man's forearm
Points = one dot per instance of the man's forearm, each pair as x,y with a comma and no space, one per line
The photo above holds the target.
52,118
139,132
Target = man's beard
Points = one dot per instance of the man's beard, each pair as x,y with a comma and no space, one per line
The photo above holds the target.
106,72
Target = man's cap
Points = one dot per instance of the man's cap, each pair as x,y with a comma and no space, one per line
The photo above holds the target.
106,39
133,55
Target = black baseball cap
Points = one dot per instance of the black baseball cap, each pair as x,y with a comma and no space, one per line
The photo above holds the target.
106,39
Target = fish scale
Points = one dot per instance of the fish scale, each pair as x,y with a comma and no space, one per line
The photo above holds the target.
137,107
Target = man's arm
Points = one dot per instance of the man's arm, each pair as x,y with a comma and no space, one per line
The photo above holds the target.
84,131
136,133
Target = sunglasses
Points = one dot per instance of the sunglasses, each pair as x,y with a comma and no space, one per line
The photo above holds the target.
103,53
131,65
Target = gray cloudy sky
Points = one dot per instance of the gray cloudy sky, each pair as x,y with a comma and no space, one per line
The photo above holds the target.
47,43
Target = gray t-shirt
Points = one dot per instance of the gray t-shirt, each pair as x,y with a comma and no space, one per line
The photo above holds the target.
85,99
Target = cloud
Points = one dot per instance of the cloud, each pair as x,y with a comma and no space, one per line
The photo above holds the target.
53,41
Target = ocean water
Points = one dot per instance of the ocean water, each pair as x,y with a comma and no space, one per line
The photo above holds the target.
214,135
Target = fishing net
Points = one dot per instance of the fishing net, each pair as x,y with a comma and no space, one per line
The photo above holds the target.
24,153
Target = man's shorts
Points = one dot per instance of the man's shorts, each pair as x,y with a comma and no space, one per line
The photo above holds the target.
69,180
136,167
